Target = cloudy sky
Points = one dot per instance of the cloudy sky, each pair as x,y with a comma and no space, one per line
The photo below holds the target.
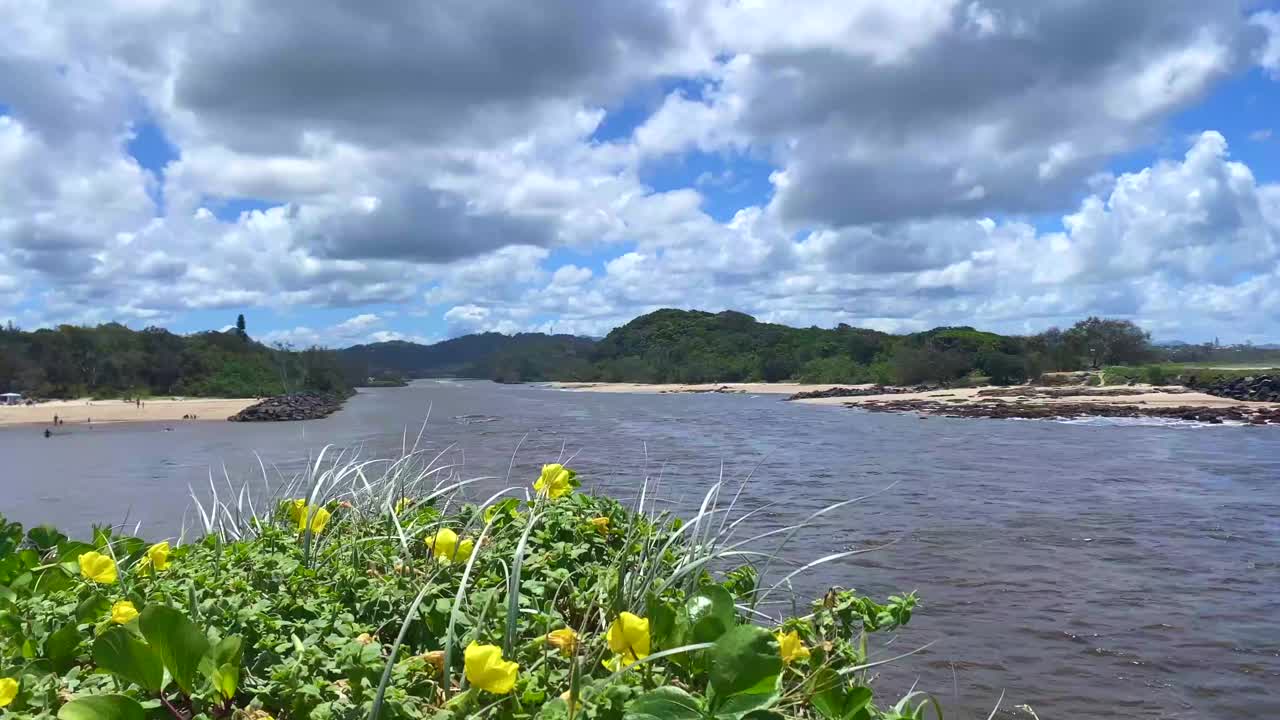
346,170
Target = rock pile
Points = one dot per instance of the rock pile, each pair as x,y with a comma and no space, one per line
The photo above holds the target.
299,406
1259,388
860,392
996,409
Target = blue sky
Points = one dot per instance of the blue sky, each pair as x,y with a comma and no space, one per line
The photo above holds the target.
896,165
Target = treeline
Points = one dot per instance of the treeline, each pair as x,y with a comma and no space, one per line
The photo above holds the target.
523,357
694,347
697,347
112,360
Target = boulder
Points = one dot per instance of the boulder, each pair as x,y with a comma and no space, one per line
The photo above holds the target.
297,406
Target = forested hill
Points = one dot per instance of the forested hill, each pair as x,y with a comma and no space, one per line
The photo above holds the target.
506,358
685,346
693,346
113,361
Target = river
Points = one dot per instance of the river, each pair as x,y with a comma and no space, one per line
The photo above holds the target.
1086,570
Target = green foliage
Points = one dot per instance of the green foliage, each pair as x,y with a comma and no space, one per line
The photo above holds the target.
111,361
679,346
524,357
268,620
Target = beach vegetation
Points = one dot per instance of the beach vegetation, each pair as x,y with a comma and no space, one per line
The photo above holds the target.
413,600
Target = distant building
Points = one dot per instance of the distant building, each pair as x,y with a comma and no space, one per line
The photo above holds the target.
10,398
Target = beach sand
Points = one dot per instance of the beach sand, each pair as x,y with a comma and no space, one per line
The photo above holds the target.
79,412
1152,396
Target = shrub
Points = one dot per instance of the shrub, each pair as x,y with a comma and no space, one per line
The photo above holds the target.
355,596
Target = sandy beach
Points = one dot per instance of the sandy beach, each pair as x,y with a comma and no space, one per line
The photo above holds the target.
992,401
80,412
1118,395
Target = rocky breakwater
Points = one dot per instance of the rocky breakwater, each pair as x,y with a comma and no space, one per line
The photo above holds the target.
1254,388
835,392
998,410
298,406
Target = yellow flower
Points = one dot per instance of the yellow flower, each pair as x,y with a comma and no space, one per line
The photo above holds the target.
8,691
446,548
319,520
435,658
601,524
297,510
98,568
487,670
555,482
157,557
403,504
365,639
791,647
629,637
300,511
123,612
565,639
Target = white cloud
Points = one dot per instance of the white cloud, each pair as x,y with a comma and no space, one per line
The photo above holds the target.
1268,55
404,161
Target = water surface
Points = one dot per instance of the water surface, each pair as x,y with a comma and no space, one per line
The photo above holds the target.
1090,571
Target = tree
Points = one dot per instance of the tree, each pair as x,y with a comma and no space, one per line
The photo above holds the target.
240,324
1109,342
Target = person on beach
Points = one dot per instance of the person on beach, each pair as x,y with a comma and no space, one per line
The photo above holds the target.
48,432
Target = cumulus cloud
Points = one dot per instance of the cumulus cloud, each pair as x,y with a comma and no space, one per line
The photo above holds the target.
884,111
1269,54
464,159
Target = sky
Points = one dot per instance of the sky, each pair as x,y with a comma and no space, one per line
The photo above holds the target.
343,172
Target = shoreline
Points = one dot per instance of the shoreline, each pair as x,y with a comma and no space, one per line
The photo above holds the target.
995,402
81,411
728,388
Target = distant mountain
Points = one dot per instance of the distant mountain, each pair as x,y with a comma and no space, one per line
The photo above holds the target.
691,346
507,358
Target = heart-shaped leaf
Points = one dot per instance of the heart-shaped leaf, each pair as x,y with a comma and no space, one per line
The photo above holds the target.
180,643
668,624
61,647
711,612
129,658
743,660
665,703
102,707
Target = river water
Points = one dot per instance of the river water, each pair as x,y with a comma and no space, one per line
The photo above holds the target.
1086,570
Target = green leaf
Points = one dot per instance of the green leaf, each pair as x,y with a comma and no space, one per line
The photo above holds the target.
668,624
743,659
665,703
711,612
180,643
763,715
222,665
760,697
61,647
129,658
833,699
45,538
102,707
92,608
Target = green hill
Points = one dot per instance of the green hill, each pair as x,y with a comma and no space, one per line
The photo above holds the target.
523,357
691,346
112,361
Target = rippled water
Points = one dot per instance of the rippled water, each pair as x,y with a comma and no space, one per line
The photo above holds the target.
1090,571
